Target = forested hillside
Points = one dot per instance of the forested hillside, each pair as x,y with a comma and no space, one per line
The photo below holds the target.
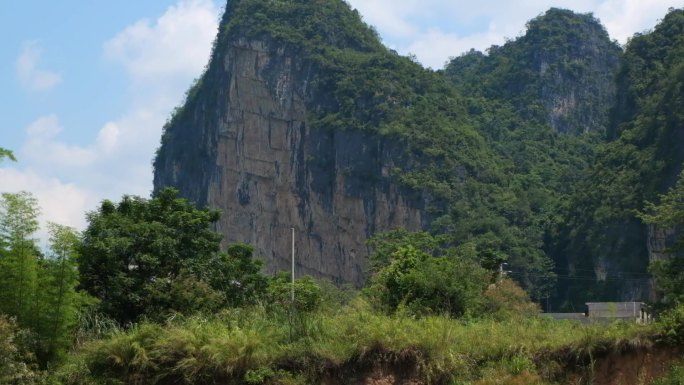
641,158
621,145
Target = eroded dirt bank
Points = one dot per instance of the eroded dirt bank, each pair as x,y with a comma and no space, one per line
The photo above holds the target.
617,366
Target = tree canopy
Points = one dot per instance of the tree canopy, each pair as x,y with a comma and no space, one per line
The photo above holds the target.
5,153
152,257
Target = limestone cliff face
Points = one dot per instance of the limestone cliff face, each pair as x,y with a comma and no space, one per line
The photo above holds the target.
243,146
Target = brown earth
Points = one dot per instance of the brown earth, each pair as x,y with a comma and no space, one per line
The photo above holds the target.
637,367
631,366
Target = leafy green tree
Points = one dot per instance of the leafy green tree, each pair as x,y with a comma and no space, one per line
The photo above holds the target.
237,274
228,279
424,284
151,257
505,300
56,294
308,298
5,153
308,293
39,292
384,244
19,264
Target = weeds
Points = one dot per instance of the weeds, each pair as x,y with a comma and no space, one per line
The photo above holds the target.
254,346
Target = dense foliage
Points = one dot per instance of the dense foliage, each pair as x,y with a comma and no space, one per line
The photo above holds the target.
668,273
17,362
153,257
600,231
5,153
38,291
424,284
414,273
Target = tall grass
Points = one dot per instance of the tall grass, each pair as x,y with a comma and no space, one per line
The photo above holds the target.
256,346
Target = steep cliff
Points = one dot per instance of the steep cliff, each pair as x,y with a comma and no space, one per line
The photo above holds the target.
642,159
304,120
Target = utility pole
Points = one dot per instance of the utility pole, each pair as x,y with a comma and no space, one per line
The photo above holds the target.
501,270
293,265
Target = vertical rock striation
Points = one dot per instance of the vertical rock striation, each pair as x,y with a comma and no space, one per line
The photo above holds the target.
242,144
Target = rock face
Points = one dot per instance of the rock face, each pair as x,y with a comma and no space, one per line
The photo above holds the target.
304,120
560,73
244,146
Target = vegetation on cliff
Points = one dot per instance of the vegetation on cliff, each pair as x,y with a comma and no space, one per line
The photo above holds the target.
600,229
448,164
560,73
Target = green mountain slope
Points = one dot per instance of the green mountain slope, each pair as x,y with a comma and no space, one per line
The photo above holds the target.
559,73
543,101
643,157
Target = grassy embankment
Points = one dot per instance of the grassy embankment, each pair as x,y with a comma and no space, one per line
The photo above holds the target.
261,346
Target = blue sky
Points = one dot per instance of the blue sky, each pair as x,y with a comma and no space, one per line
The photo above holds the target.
88,84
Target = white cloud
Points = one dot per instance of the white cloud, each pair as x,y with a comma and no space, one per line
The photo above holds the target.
31,77
623,18
64,203
162,57
43,148
175,44
432,46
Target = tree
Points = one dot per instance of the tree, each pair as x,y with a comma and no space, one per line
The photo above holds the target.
151,257
424,284
238,275
505,300
56,296
39,292
384,244
19,264
307,299
5,153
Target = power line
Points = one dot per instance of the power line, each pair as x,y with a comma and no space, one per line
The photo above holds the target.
579,278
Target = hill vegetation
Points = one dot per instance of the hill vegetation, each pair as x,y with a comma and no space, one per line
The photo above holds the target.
531,157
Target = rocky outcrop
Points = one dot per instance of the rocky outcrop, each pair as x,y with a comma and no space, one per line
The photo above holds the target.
242,144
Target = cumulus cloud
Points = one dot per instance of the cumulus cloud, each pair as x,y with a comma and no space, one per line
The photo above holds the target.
161,57
31,77
623,18
174,44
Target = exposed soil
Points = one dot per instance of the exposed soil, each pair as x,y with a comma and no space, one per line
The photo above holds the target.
628,366
637,367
